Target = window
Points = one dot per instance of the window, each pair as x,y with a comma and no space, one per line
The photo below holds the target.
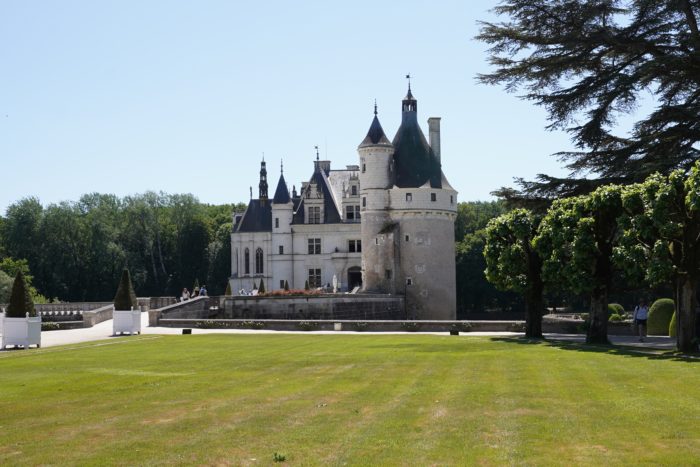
387,274
281,284
277,222
355,246
281,249
364,167
353,190
314,278
246,261
452,199
364,202
314,215
433,196
409,197
258,261
314,246
409,281
352,213
408,238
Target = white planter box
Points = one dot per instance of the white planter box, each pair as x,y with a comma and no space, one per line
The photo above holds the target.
126,321
21,331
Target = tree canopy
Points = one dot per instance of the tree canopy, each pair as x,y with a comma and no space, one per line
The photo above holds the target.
76,250
576,240
514,264
661,240
588,62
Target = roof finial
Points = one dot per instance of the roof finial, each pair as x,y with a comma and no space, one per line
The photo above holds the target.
316,147
263,156
281,166
408,77
375,107
251,192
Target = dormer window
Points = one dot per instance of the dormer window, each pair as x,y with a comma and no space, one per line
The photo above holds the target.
352,213
353,190
314,215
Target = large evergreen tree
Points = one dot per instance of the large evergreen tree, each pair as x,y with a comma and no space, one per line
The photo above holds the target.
587,62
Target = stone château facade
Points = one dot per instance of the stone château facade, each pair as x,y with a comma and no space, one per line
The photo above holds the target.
385,225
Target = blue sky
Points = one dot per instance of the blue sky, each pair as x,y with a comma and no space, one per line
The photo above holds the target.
184,97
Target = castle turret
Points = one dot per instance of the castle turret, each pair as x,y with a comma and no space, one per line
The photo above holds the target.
282,215
408,217
376,178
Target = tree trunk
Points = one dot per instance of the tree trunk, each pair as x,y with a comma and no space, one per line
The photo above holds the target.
598,319
534,308
685,340
534,302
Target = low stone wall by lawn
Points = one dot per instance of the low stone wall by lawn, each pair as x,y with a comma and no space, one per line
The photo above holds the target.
347,325
561,325
315,307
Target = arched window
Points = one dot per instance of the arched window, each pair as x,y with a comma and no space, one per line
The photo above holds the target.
246,261
258,261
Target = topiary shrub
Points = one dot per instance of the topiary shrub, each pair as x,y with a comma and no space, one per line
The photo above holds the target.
125,298
616,309
306,285
261,289
660,314
21,301
615,318
286,286
228,289
672,326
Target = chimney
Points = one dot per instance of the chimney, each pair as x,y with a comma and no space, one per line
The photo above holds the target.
434,132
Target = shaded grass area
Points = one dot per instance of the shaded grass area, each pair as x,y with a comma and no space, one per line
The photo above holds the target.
347,400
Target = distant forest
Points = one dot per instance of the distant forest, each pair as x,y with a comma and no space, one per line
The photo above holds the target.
75,251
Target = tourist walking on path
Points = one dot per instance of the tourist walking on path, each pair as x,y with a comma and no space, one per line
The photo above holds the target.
203,291
185,295
641,312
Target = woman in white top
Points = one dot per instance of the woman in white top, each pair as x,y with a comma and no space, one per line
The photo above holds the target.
641,312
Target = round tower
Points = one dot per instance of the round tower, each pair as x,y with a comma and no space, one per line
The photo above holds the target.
423,211
376,178
282,213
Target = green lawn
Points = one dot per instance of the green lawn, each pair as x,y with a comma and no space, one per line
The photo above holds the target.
336,400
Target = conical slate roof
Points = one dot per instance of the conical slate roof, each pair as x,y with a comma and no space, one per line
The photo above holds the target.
375,135
282,192
414,160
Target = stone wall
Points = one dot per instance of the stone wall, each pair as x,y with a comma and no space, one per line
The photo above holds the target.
327,306
349,325
196,308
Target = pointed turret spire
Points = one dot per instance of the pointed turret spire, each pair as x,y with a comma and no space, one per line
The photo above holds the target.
375,135
409,103
263,181
282,192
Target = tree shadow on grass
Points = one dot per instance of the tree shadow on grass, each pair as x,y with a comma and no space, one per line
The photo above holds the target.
612,349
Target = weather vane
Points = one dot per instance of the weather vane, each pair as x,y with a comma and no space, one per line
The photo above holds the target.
408,77
316,147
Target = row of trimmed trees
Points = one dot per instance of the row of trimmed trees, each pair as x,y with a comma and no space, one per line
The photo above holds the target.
649,232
